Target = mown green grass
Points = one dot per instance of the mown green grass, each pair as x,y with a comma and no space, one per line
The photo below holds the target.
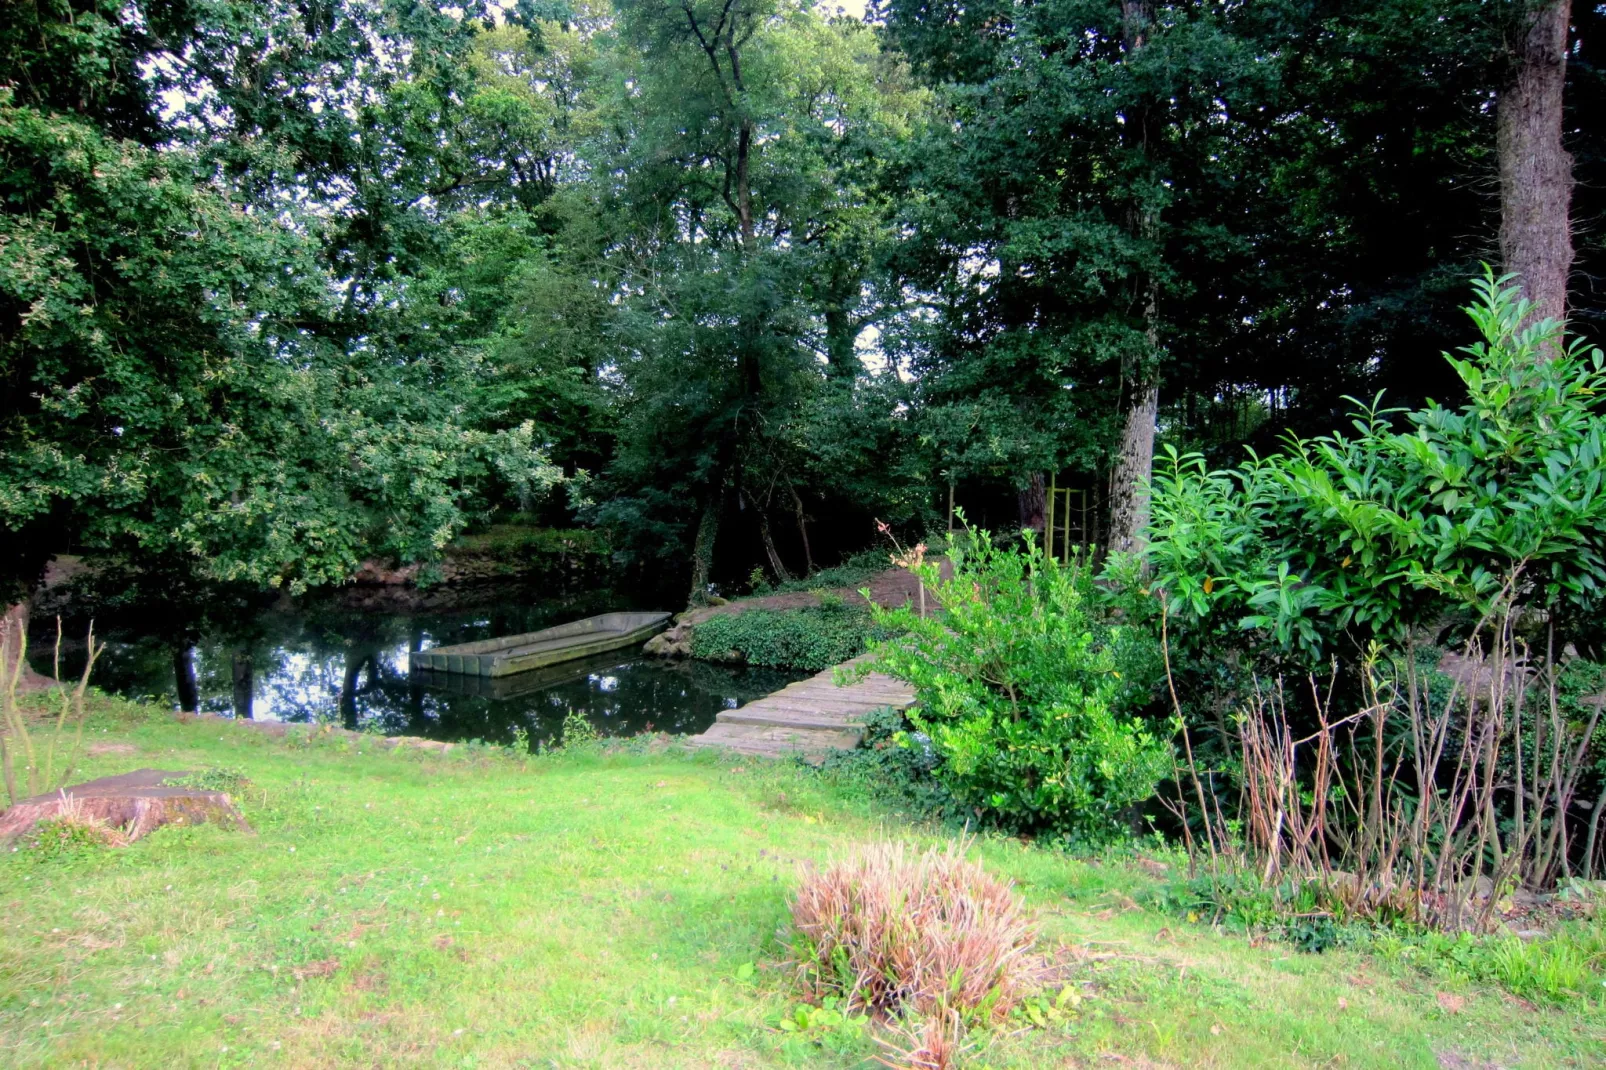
595,910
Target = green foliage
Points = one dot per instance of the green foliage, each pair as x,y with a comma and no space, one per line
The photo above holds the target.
1385,531
757,127
811,638
578,732
832,1025
1303,913
895,764
214,378
63,840
1300,165
1567,964
212,778
1027,693
1571,964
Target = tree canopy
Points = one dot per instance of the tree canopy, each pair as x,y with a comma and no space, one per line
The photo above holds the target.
289,285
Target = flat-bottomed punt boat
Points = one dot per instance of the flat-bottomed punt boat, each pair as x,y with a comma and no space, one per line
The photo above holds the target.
534,650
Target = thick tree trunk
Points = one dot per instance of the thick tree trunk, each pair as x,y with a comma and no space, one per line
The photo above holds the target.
1032,500
1134,460
243,685
744,185
1129,488
1536,173
189,695
702,551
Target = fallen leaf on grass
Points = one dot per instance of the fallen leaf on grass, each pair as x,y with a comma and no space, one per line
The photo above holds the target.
321,968
1450,1003
368,982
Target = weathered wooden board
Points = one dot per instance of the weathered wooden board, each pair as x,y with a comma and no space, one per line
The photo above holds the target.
536,650
810,718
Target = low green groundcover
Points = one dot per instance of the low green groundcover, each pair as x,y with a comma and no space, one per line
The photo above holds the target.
812,638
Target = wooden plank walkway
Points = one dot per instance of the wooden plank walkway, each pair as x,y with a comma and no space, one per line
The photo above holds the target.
810,718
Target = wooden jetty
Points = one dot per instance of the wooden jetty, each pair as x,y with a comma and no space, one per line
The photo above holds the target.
810,718
536,650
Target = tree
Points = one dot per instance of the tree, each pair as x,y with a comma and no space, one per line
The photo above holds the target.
747,252
1299,187
184,396
1536,173
1046,224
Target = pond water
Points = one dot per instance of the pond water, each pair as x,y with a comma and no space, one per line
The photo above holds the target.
330,660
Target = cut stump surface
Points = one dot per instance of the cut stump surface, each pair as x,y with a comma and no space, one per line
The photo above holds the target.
135,803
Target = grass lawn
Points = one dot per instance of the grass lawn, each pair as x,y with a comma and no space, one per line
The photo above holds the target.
594,910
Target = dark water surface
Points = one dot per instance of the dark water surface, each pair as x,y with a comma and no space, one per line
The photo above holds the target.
330,660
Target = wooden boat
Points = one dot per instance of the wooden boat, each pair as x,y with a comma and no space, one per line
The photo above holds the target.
534,650
522,683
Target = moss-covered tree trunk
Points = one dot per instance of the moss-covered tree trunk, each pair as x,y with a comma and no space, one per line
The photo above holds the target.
702,550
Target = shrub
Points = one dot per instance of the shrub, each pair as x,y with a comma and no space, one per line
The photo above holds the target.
1024,690
1383,532
578,732
894,767
812,638
933,934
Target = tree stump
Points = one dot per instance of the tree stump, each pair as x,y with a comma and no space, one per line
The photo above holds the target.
134,804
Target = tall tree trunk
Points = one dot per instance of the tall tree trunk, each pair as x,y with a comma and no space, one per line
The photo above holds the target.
1134,460
243,685
189,695
1129,489
1536,173
702,550
776,564
744,184
1032,500
802,530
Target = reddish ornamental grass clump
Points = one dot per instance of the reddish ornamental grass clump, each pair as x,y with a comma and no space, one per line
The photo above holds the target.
934,934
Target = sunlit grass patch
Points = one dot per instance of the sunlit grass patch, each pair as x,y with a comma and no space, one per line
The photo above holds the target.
611,909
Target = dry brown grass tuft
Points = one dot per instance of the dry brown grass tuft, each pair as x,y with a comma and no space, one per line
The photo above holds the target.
934,1042
932,934
73,822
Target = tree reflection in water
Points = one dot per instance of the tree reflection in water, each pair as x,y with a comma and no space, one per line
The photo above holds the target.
325,663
